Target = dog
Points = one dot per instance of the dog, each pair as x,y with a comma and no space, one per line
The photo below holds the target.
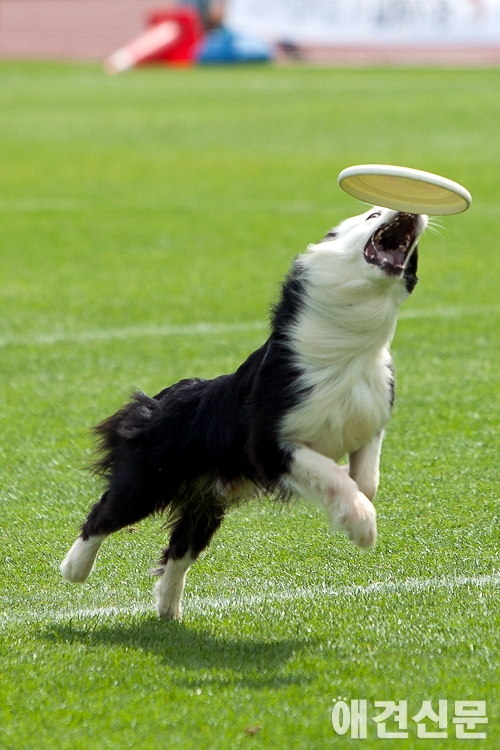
319,389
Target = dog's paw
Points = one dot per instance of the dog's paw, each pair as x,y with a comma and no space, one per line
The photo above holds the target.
357,519
169,587
78,563
169,611
363,523
166,608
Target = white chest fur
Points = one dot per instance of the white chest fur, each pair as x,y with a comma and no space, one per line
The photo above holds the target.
344,409
341,343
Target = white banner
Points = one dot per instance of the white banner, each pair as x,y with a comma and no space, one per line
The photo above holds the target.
368,21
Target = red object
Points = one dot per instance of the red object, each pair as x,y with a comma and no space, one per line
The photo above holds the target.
172,37
191,31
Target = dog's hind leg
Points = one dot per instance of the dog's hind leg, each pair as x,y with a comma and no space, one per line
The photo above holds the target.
317,477
114,511
78,563
170,586
191,534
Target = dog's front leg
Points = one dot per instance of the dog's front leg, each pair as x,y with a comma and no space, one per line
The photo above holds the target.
317,477
364,466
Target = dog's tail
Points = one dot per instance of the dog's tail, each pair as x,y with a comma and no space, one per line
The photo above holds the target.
125,424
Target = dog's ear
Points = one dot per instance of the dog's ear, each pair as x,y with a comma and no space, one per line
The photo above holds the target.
410,273
332,234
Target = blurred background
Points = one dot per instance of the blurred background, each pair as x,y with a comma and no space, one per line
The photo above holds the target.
359,31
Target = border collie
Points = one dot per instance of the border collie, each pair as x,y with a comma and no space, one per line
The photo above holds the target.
320,388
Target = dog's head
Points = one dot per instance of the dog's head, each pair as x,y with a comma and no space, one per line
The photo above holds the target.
380,244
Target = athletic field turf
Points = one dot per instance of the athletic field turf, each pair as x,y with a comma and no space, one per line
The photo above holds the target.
147,221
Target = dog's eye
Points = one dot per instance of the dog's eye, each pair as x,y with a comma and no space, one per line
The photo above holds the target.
374,215
328,237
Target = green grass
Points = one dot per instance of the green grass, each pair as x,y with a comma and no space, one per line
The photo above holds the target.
178,197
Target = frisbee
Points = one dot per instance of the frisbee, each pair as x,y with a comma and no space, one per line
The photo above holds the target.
405,189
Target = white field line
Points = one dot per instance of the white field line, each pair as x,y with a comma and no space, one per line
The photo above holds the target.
108,334
29,205
449,312
236,603
205,329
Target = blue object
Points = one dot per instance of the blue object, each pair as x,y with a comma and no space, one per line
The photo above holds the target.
224,46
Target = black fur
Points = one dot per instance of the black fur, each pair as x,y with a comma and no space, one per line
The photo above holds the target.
410,273
167,453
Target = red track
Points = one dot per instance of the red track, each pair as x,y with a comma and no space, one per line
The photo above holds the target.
70,29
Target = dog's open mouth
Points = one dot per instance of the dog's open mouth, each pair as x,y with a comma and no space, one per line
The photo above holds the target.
390,245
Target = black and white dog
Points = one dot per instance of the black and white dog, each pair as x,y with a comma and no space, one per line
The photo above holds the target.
320,388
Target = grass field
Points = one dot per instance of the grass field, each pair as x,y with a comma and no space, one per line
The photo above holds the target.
147,221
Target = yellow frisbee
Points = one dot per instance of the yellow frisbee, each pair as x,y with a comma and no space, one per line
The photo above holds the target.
405,189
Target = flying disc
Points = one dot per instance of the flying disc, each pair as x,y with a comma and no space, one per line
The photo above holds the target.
405,189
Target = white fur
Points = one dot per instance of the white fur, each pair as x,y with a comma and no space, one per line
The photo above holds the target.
319,478
170,586
364,466
341,340
78,563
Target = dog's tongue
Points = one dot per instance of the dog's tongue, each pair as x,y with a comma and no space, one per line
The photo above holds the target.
387,255
394,257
